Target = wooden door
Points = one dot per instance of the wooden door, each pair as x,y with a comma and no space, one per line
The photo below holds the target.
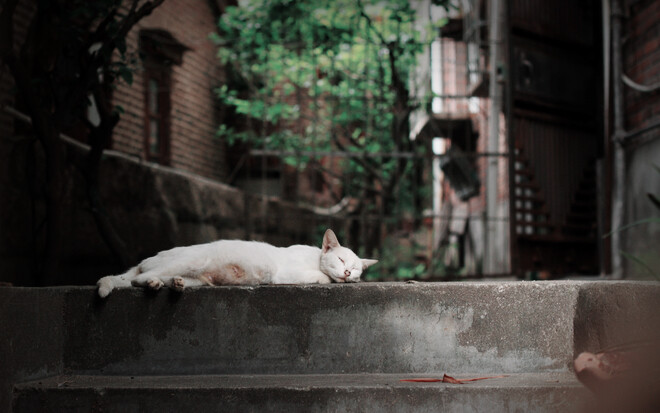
554,116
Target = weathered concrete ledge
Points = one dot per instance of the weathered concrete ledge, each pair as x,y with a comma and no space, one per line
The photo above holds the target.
510,327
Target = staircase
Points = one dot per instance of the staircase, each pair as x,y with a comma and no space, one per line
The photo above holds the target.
532,216
581,220
557,242
330,348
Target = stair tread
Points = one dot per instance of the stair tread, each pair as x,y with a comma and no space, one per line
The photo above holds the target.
540,224
528,198
532,211
556,238
590,203
582,225
293,381
367,393
581,214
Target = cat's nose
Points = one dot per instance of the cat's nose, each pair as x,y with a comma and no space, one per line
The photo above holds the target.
347,273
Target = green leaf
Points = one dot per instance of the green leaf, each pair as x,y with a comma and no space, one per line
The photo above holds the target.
641,263
274,112
121,45
215,38
126,73
634,224
654,200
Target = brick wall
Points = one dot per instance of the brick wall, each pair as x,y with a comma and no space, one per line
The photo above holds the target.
642,62
193,147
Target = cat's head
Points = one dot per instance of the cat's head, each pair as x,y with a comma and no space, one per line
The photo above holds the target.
339,263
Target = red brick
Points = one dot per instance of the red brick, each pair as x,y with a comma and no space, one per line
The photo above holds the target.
642,61
194,146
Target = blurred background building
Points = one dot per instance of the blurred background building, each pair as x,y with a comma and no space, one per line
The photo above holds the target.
537,141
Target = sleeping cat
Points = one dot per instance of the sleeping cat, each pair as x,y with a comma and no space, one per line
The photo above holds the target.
242,263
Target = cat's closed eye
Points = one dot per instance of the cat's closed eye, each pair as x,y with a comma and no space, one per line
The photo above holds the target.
342,261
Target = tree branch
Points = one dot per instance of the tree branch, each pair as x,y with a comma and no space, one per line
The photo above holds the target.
107,48
101,29
334,174
135,16
361,161
99,138
7,28
90,73
370,23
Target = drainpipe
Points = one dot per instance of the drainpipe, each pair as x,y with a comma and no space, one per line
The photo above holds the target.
494,92
618,192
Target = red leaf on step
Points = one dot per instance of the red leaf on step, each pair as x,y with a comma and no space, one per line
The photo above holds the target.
449,379
481,378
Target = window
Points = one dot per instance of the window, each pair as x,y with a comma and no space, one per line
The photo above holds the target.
160,51
157,114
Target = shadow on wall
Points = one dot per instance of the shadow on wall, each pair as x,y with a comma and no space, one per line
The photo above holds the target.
152,208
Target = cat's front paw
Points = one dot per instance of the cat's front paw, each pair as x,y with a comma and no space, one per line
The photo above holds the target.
155,284
178,284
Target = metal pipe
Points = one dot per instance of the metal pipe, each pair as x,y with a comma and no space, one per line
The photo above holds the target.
604,209
494,93
618,193
395,155
511,149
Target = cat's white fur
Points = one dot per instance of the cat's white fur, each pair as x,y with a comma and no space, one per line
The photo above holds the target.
242,263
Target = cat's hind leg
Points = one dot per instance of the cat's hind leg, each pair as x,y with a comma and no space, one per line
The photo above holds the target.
148,279
155,281
170,268
109,283
180,283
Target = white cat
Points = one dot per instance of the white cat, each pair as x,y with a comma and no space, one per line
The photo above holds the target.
242,263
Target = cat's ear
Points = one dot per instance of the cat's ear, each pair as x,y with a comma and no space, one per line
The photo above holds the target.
366,263
329,241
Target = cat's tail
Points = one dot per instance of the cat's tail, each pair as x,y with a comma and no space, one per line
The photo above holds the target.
109,283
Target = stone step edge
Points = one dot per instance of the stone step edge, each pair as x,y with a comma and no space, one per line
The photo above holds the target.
304,382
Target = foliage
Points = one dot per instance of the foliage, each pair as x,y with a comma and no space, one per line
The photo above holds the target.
326,75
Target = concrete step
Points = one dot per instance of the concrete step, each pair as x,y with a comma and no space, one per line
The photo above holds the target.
477,329
333,329
526,392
